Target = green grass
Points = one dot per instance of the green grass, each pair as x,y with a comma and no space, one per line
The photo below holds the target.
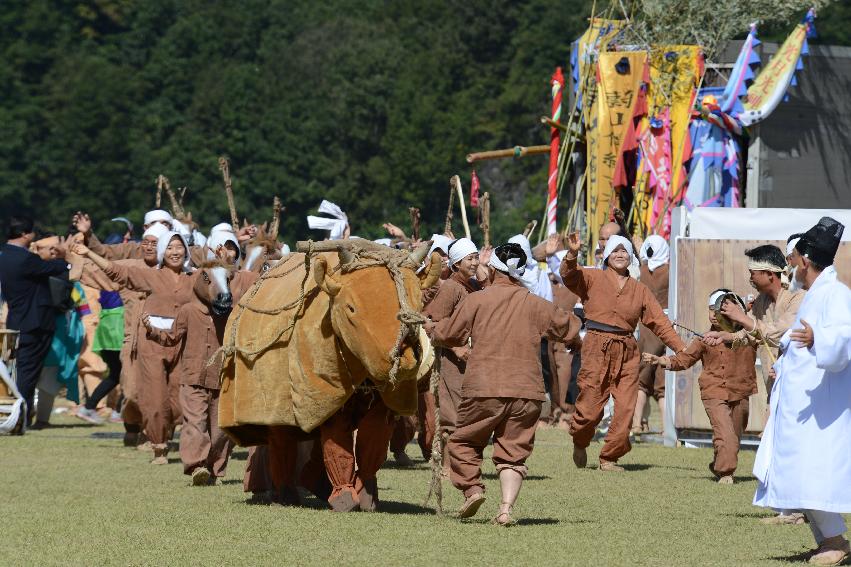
69,498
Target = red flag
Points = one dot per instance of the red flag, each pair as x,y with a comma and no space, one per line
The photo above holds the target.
474,190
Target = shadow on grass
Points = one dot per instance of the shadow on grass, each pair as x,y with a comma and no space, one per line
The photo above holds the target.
417,466
230,481
494,476
754,515
801,557
390,507
107,435
520,522
239,456
50,426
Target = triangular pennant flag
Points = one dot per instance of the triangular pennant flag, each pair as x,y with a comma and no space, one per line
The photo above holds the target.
800,65
794,81
805,49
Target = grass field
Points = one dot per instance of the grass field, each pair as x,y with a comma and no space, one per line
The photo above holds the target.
72,495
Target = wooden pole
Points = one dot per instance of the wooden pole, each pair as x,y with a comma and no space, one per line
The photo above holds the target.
485,208
456,182
159,198
415,222
276,218
515,152
224,166
550,123
177,210
447,226
530,228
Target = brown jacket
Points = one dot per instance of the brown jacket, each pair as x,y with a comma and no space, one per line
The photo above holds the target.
506,324
133,250
451,292
623,308
199,336
657,282
728,373
133,301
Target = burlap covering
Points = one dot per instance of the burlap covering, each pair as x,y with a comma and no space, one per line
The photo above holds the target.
284,364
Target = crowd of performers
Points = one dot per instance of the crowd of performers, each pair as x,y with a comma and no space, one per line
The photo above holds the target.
149,314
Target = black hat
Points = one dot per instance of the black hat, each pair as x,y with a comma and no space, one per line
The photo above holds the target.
821,242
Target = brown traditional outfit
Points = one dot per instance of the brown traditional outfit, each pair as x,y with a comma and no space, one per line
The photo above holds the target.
157,383
651,377
771,321
610,352
727,381
561,356
502,390
452,368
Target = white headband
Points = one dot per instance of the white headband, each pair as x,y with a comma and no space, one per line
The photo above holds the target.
512,269
156,216
336,226
524,244
765,266
790,246
715,295
460,249
156,230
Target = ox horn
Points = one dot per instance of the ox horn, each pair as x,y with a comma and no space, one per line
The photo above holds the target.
323,279
346,257
418,255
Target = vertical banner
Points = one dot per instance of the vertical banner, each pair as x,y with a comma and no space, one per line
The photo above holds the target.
557,84
619,80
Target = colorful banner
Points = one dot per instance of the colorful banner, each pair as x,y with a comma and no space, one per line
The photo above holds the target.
583,59
740,75
619,82
770,86
557,83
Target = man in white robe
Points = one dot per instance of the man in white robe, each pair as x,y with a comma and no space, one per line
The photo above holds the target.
804,459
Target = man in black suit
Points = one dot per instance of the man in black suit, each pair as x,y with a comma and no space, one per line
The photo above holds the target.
24,285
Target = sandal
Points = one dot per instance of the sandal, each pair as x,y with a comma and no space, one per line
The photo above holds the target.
504,519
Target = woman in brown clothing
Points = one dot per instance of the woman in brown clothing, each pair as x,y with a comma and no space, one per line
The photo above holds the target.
168,288
502,391
726,384
614,304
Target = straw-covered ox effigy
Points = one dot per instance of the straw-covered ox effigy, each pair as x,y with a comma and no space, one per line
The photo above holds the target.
314,328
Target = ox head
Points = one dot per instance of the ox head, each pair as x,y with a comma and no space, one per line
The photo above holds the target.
366,307
212,287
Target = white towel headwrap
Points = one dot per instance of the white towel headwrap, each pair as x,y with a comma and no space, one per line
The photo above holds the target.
336,226
661,252
460,249
614,242
162,244
157,215
157,230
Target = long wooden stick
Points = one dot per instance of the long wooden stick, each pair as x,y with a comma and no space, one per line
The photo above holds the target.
456,182
485,208
447,226
415,222
515,152
224,166
177,210
276,218
158,202
530,228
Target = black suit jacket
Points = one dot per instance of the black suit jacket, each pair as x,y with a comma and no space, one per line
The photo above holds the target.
24,286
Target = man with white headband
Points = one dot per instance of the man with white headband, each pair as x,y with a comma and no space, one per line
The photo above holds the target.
726,383
337,227
502,391
464,263
614,304
804,458
654,255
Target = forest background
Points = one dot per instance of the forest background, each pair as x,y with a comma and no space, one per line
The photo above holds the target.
372,104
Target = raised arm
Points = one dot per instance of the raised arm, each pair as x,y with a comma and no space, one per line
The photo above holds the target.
574,276
131,277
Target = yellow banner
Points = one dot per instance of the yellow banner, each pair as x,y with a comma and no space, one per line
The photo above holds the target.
620,76
675,72
595,39
770,86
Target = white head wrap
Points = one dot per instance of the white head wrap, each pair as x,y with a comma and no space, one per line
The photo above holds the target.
510,269
524,244
219,238
156,216
661,252
198,239
384,241
715,295
157,230
162,244
461,248
336,226
439,242
791,245
614,242
765,266
222,227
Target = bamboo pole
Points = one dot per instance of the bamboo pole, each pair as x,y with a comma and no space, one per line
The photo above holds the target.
447,225
275,226
177,210
515,152
550,123
485,208
224,166
415,222
456,182
530,228
159,198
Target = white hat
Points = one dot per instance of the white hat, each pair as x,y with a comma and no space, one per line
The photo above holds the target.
661,252
157,215
614,242
219,238
336,226
525,245
384,241
790,246
222,227
156,230
460,249
513,268
198,239
163,243
439,242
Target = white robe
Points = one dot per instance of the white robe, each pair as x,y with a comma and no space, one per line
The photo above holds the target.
804,458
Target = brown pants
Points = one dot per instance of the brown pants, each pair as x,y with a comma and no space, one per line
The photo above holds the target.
403,433
729,419
512,423
130,412
449,391
290,448
158,391
425,423
202,443
366,413
651,377
609,367
561,368
257,475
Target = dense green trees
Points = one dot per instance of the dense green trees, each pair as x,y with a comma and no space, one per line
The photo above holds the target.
371,104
